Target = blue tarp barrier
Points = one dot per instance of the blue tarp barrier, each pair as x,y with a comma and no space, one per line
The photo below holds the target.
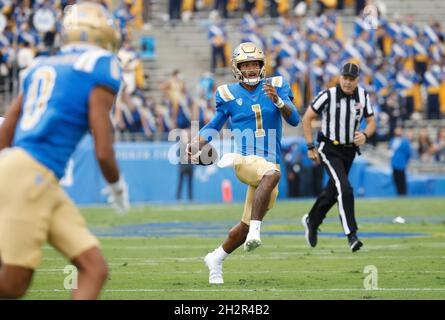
152,178
150,175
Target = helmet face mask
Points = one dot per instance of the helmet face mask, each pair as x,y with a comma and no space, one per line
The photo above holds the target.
90,23
250,71
248,52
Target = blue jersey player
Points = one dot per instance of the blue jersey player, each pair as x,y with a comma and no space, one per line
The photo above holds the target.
61,98
255,106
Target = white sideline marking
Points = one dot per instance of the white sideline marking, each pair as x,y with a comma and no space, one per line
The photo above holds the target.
304,247
289,272
257,290
275,256
381,257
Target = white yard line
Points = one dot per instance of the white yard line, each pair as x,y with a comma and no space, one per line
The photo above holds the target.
275,256
322,247
258,290
297,271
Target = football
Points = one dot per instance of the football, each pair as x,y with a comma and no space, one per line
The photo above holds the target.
206,155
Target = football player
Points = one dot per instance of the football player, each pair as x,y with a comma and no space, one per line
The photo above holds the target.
255,106
61,98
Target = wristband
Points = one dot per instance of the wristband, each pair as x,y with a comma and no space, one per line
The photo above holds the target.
117,186
366,136
310,146
279,104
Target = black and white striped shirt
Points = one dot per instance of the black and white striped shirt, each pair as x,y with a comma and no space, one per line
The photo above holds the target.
341,114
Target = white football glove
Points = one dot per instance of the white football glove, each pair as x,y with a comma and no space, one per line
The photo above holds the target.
117,196
193,157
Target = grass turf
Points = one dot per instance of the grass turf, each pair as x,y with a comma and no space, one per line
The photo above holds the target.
171,267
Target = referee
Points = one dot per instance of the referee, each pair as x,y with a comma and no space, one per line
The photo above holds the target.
341,109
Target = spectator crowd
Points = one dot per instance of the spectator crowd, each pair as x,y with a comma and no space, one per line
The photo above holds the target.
402,65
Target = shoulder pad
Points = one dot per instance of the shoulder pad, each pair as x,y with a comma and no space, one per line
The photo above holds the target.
87,60
225,93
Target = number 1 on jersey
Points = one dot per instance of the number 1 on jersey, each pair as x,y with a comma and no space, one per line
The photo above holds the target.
259,132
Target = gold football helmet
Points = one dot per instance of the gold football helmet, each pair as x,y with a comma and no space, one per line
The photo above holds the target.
245,52
90,22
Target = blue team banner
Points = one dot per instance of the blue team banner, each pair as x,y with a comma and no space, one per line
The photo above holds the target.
148,47
153,178
150,175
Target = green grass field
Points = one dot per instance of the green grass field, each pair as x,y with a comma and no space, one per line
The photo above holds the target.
157,253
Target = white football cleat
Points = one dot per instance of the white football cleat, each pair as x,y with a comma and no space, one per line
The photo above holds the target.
215,269
253,241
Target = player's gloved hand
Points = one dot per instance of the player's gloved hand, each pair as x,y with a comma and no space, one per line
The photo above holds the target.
193,152
117,196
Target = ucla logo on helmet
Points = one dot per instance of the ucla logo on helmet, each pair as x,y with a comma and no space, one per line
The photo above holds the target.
89,22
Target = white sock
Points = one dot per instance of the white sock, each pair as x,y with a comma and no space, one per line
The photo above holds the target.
255,225
220,253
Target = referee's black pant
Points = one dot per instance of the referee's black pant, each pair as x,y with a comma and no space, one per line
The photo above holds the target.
337,160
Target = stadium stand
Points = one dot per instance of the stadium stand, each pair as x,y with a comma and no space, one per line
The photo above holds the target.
191,37
159,46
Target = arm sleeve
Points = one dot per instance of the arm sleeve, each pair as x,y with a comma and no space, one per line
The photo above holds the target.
320,102
211,129
287,96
